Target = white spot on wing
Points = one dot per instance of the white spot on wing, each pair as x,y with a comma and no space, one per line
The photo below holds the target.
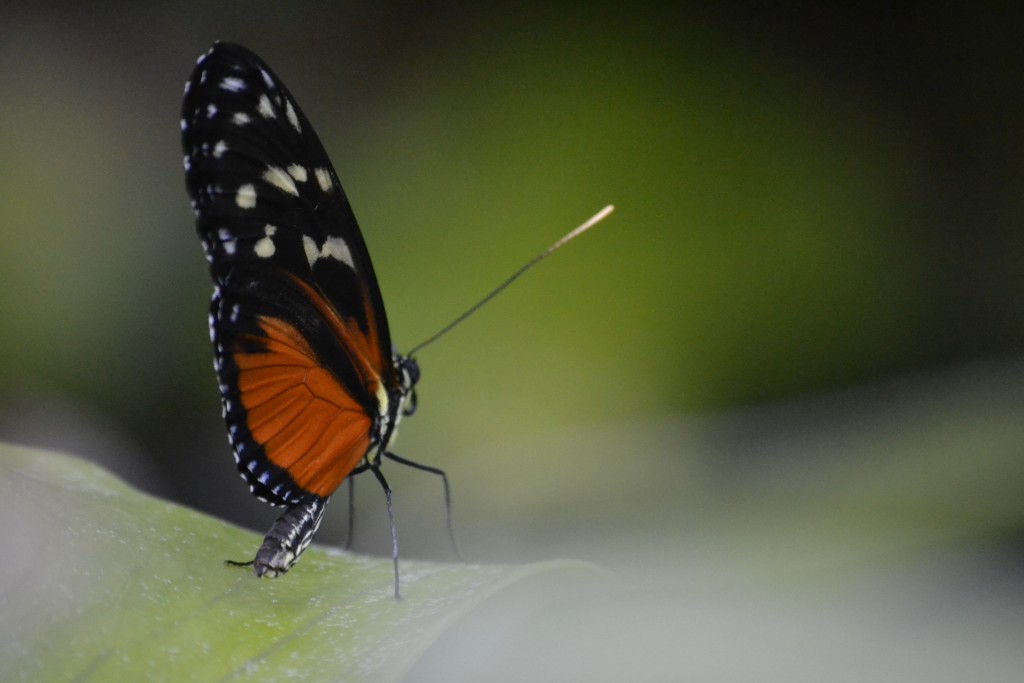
240,118
298,172
232,84
211,110
323,178
267,79
265,247
246,196
336,248
293,118
219,149
280,180
266,108
312,252
333,248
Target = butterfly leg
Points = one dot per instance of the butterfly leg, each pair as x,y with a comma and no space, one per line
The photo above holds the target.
447,494
287,538
391,518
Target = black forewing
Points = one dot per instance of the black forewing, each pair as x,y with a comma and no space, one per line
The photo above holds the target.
247,141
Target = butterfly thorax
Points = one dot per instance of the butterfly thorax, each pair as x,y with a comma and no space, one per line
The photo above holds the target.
393,405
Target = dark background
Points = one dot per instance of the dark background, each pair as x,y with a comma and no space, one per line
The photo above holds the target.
811,289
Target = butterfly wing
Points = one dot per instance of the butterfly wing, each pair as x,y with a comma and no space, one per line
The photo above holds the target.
302,348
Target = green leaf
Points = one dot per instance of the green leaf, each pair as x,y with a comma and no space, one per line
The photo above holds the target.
102,582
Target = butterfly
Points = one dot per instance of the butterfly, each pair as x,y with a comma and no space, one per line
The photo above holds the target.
312,392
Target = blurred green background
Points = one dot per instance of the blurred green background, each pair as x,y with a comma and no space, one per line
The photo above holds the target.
804,313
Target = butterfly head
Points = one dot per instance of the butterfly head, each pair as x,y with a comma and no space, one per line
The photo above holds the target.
397,399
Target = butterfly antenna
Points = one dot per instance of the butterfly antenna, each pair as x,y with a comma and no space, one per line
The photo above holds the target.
571,235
